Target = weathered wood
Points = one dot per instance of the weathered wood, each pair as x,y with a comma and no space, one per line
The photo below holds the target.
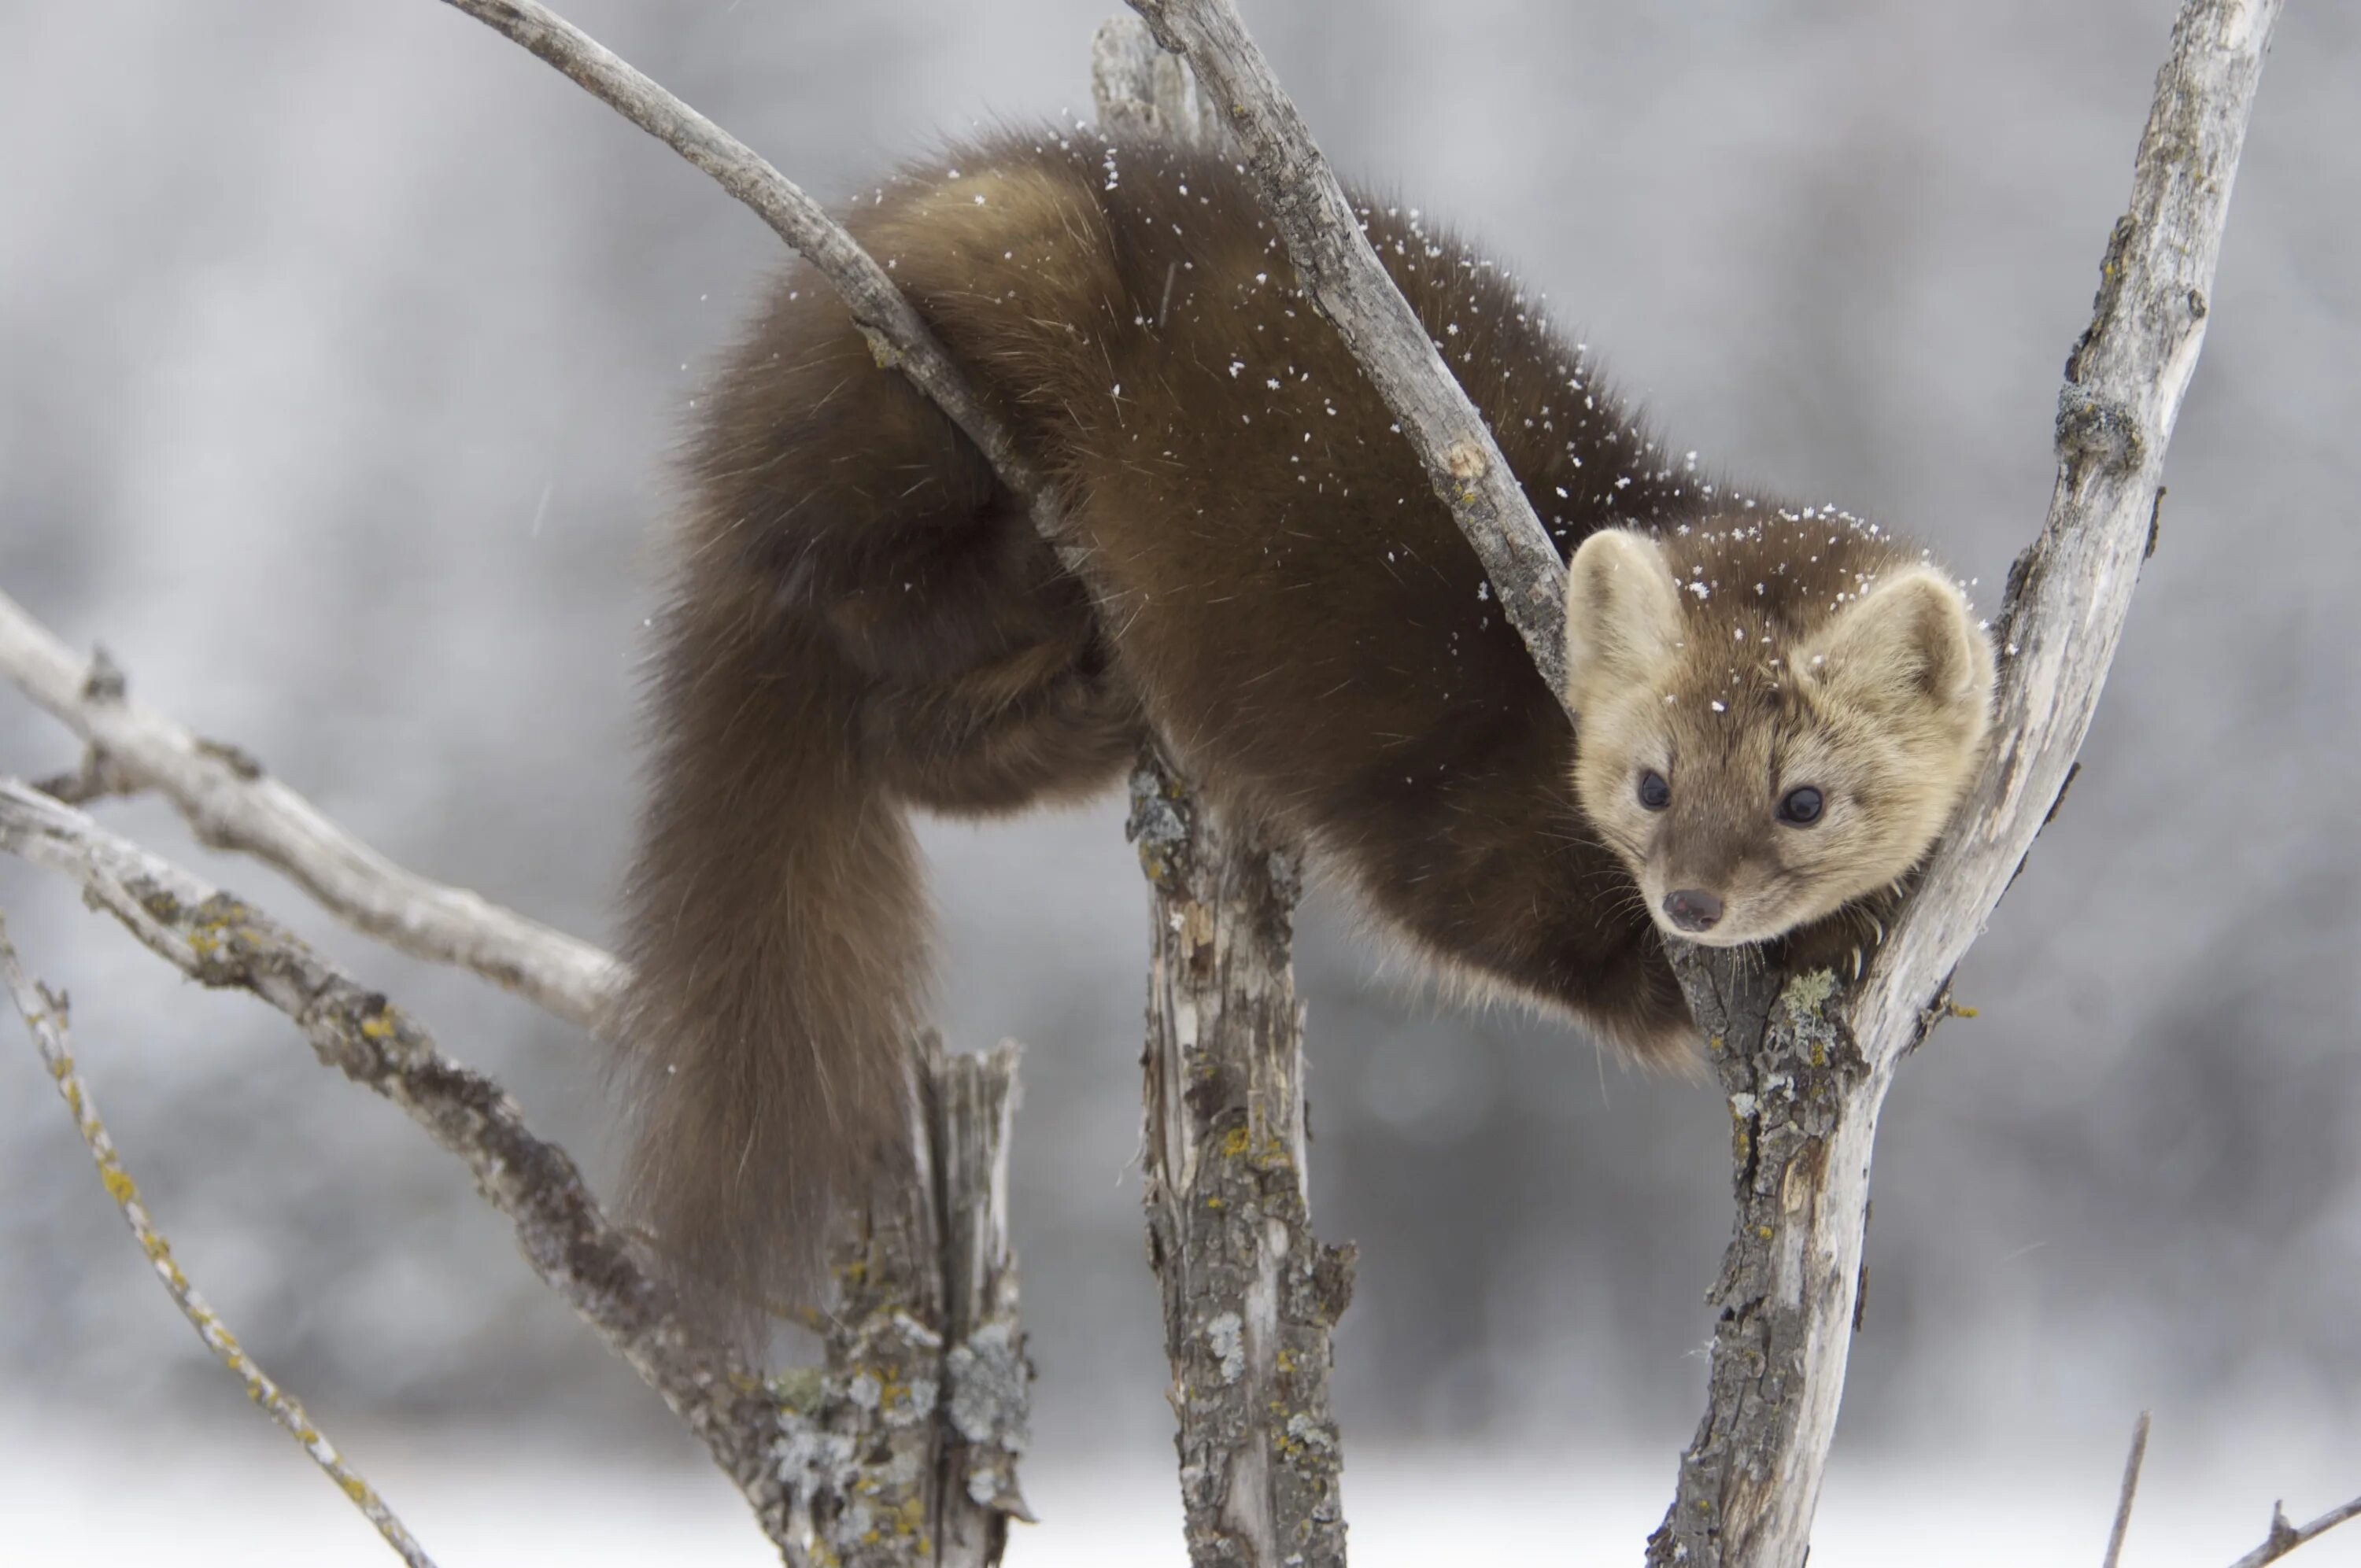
1140,90
907,1454
1806,1060
232,804
921,1416
1250,1294
219,941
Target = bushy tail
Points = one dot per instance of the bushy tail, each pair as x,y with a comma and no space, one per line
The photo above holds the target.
776,924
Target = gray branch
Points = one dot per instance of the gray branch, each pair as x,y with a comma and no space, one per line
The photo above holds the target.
1806,1063
788,1444
44,1013
2286,1537
1342,275
232,804
2132,1463
914,1428
1249,1293
220,941
898,338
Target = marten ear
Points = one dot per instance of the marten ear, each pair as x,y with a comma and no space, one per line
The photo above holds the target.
1906,646
1622,622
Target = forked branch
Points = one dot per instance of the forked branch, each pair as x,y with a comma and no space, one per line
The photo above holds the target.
220,941
1807,1063
232,804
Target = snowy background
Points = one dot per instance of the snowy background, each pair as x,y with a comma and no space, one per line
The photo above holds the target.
342,346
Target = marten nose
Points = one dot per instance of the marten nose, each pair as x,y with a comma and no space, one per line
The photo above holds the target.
1693,909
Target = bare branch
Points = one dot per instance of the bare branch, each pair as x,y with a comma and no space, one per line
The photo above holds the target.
897,336
1342,275
231,803
2132,1463
45,1015
1806,1063
1249,1293
917,1423
1140,90
2285,1537
792,1446
220,941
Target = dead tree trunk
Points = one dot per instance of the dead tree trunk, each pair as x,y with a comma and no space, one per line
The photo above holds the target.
1249,1293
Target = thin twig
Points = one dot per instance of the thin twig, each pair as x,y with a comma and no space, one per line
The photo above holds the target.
1341,273
2285,1537
232,804
220,941
2132,1463
44,1013
897,336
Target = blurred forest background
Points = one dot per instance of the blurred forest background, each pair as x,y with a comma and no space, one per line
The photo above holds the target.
343,349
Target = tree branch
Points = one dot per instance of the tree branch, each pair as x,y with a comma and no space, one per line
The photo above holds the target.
220,941
2285,1538
231,803
799,1449
2132,1463
44,1013
1249,1293
1343,277
915,1425
1806,1063
897,336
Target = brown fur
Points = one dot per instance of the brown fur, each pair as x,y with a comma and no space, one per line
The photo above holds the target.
863,620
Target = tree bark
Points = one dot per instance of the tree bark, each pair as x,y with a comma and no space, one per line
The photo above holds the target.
1249,1293
899,1454
917,1421
1807,1062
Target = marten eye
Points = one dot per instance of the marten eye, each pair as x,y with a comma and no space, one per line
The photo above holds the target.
1801,808
1655,792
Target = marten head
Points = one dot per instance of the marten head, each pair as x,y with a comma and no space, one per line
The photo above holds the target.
1773,717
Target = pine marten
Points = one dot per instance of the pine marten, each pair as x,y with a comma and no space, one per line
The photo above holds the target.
1779,705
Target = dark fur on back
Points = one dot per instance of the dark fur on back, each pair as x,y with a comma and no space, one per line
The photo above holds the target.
862,620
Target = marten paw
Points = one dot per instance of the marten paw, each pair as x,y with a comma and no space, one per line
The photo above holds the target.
1840,943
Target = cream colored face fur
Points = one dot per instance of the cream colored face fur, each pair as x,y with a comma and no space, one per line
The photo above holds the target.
1879,703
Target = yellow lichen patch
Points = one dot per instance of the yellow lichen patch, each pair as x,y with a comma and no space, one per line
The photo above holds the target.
377,1026
1237,1142
49,1035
